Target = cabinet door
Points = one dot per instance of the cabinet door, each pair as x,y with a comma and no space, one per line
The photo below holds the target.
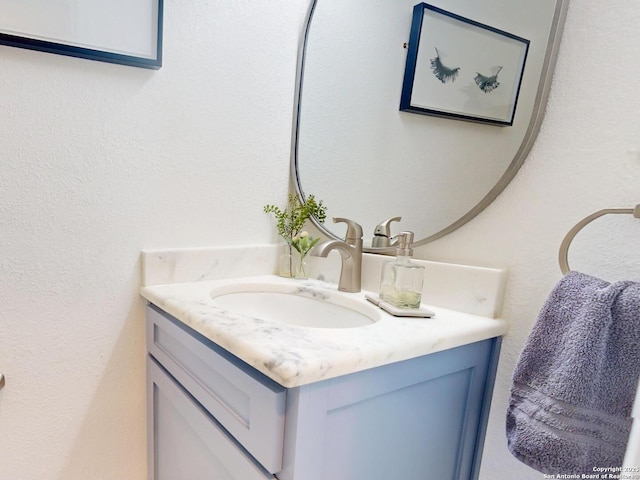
185,443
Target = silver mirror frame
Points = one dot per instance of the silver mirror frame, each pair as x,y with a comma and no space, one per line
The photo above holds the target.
529,138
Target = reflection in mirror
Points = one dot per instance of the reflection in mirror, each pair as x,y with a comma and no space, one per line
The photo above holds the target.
369,161
430,86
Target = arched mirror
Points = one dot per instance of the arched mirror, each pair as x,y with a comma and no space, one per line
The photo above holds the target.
369,161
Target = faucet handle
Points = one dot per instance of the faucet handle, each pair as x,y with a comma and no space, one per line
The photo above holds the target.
382,233
384,228
354,231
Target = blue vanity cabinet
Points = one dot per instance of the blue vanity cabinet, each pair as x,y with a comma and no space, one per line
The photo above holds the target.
233,411
212,416
421,419
187,443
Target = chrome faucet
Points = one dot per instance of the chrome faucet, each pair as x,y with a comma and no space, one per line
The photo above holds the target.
351,253
382,234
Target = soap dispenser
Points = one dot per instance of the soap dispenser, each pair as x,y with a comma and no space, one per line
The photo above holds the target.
401,281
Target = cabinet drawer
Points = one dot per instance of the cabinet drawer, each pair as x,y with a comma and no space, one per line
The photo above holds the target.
247,404
186,443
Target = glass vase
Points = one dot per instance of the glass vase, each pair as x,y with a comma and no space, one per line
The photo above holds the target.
292,264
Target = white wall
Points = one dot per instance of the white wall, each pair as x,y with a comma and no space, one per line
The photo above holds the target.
585,159
99,161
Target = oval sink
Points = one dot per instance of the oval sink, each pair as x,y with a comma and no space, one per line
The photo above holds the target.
295,304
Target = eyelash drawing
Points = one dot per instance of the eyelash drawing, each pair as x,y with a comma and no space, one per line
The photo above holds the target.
442,73
487,84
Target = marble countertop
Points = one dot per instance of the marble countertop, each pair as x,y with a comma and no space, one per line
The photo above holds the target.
294,356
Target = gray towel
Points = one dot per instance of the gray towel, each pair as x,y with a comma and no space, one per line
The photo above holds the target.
575,383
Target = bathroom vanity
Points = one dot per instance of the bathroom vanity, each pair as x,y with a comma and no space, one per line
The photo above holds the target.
231,396
213,416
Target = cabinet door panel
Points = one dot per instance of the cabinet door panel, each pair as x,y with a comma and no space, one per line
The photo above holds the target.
185,442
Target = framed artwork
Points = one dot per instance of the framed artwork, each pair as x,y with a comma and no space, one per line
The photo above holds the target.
128,32
458,68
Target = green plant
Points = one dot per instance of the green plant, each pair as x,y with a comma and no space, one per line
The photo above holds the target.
291,221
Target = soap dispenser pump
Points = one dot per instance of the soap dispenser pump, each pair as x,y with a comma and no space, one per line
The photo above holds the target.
401,281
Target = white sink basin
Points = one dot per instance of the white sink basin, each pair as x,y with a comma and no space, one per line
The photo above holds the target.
295,304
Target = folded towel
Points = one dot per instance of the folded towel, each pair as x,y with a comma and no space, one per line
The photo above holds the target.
575,382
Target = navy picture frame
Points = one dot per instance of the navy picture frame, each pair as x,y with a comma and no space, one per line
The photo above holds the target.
432,86
38,43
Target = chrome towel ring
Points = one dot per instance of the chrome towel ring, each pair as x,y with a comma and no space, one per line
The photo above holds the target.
564,246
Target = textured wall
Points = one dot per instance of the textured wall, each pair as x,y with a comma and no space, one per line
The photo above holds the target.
98,161
585,159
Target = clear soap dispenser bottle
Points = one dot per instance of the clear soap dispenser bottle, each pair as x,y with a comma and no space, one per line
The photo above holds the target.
401,282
